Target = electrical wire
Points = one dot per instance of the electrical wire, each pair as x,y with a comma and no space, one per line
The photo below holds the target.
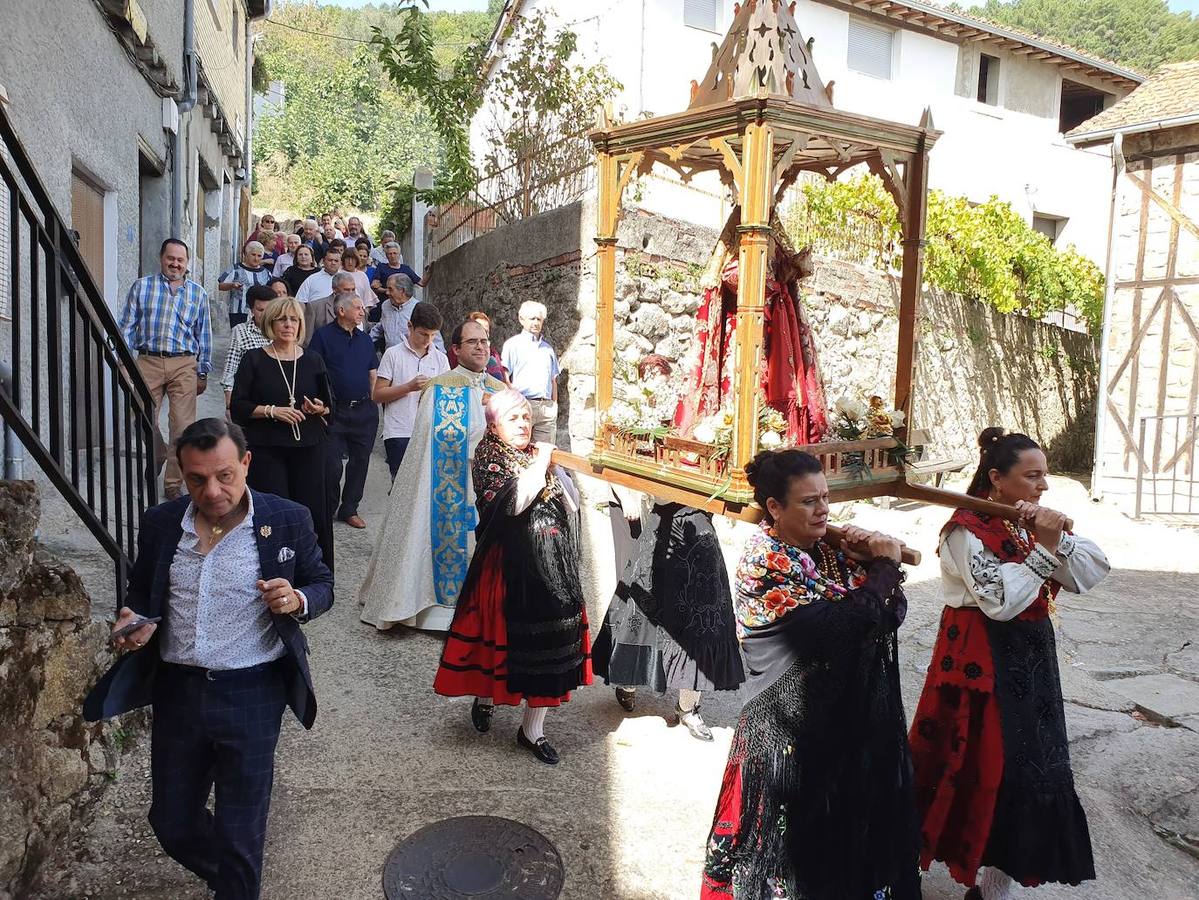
342,37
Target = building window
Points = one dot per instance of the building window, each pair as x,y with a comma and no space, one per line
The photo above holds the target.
703,14
1078,103
871,48
988,80
1050,226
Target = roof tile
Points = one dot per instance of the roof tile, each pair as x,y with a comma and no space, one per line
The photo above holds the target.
1172,91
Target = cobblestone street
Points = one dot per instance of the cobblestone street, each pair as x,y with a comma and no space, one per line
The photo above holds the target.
630,805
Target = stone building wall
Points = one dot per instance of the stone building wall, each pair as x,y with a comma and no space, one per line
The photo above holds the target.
976,367
1152,352
53,765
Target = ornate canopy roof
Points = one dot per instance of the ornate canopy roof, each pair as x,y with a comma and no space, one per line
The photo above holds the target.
763,51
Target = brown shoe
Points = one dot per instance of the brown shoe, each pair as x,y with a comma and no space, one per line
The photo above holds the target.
355,521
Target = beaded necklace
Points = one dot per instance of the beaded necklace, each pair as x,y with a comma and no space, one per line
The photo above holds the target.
1026,541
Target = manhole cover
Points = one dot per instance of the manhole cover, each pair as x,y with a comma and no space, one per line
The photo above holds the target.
473,857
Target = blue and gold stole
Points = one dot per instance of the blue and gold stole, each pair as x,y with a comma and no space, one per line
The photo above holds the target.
452,512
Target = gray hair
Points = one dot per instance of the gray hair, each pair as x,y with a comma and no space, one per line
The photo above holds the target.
311,223
402,282
253,245
293,237
390,244
343,302
388,236
343,278
533,307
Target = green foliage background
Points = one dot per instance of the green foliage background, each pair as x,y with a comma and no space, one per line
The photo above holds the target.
1138,33
345,133
988,252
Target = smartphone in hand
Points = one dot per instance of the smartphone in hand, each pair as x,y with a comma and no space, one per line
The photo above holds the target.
133,626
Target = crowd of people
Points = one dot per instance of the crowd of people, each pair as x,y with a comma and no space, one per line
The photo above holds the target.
826,793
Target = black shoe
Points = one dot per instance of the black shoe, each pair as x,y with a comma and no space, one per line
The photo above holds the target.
694,722
541,748
627,698
480,714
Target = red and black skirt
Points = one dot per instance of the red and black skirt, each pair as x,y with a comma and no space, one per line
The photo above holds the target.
541,664
992,760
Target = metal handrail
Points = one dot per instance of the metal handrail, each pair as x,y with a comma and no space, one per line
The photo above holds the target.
60,327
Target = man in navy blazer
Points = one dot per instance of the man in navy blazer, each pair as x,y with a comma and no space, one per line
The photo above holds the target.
232,573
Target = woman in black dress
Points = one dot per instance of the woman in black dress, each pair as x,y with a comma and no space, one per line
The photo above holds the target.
300,270
670,624
281,397
817,800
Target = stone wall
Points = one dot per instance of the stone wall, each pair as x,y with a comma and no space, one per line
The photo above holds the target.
53,765
975,366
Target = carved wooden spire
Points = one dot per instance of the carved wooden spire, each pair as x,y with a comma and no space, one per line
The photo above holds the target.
763,51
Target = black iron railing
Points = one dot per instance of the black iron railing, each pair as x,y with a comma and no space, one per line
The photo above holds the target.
75,399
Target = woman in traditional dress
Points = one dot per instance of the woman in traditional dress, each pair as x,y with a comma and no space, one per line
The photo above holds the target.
816,802
670,624
992,761
520,627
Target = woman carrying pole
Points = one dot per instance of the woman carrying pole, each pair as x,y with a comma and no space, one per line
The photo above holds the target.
993,779
817,799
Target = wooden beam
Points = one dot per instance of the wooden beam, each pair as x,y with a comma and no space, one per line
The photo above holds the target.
1179,217
716,506
913,276
607,215
927,494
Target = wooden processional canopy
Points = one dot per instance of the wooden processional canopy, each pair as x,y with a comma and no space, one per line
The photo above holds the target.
760,117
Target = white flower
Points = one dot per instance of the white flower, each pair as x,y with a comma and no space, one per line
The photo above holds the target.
851,408
897,419
704,433
769,441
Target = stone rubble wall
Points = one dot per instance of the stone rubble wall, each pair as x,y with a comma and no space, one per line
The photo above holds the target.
975,366
53,765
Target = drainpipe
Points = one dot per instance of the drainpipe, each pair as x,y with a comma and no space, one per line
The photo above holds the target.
186,102
1109,299
14,454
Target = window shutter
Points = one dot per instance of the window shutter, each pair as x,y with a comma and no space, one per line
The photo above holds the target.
703,14
870,48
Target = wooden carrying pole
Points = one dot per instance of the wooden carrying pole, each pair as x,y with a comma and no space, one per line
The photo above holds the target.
681,495
941,497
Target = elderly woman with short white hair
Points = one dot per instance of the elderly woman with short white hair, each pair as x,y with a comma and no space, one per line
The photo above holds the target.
287,258
247,273
520,626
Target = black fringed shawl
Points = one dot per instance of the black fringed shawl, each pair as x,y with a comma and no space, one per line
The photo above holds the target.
827,809
543,597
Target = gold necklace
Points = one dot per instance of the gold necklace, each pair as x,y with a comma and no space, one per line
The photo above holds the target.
218,528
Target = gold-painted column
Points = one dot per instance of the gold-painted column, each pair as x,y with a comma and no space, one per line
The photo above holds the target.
757,157
607,213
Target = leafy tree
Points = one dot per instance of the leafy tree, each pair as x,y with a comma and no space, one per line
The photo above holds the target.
345,134
1138,33
538,107
988,252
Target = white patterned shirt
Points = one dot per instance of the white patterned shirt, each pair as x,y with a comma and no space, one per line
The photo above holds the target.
244,338
971,575
216,617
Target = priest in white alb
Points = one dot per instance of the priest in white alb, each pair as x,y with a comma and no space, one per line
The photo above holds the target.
427,538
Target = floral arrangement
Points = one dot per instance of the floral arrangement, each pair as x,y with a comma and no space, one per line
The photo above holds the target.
716,429
854,420
772,428
642,407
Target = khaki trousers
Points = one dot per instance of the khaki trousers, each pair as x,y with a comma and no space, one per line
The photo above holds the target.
545,421
173,378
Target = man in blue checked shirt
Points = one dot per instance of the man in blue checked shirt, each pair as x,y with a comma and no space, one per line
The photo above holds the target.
166,320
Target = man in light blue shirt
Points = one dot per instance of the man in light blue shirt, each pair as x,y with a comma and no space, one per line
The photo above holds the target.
533,366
